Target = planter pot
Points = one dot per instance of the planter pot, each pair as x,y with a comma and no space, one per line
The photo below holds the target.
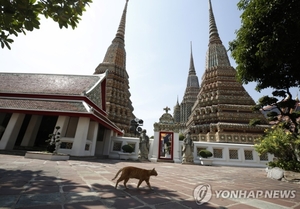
46,156
206,161
125,155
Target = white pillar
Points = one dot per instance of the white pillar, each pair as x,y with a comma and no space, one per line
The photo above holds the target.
78,148
92,136
62,122
176,148
31,131
11,132
107,142
154,148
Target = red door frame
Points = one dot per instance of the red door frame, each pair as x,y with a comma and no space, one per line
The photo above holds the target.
160,144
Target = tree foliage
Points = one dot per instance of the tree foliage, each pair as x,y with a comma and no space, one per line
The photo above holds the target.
283,144
267,51
267,46
19,16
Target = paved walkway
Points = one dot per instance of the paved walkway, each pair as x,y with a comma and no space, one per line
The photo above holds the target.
86,184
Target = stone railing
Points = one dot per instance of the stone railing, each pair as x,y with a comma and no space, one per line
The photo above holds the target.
223,153
116,147
231,154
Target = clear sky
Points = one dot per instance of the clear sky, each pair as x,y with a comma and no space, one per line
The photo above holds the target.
157,41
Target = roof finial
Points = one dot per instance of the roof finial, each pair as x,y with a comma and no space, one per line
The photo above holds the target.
213,31
121,29
192,66
167,109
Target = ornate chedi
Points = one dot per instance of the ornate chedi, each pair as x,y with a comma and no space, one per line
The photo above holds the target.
222,110
118,104
183,111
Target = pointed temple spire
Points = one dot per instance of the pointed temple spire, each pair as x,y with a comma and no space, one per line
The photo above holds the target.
183,111
192,66
121,30
116,52
192,80
176,112
118,104
216,54
213,31
223,108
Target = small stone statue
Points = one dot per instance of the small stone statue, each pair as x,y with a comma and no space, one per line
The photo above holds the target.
144,146
188,149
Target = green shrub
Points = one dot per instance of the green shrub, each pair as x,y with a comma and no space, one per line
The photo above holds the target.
205,153
181,137
283,144
286,165
127,148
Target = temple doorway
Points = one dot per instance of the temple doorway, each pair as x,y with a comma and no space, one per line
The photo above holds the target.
166,145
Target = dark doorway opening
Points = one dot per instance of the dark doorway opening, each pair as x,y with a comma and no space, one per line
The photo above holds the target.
23,130
47,127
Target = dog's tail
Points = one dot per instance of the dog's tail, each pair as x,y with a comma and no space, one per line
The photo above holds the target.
117,174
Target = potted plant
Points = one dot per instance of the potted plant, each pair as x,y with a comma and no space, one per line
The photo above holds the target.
127,148
127,151
52,149
54,141
205,157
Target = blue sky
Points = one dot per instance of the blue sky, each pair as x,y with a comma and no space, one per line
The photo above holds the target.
157,41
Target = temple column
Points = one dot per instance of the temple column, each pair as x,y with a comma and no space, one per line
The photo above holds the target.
107,142
92,136
78,148
154,148
62,122
31,131
11,132
176,148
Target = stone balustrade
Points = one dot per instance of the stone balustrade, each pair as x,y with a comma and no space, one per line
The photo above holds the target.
228,154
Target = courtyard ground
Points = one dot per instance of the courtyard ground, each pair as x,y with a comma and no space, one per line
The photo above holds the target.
86,183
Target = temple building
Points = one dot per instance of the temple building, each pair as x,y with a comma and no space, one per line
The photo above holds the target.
222,110
118,103
183,110
89,109
32,105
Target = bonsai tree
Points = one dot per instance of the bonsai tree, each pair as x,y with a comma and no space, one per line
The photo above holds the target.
127,148
205,153
54,141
